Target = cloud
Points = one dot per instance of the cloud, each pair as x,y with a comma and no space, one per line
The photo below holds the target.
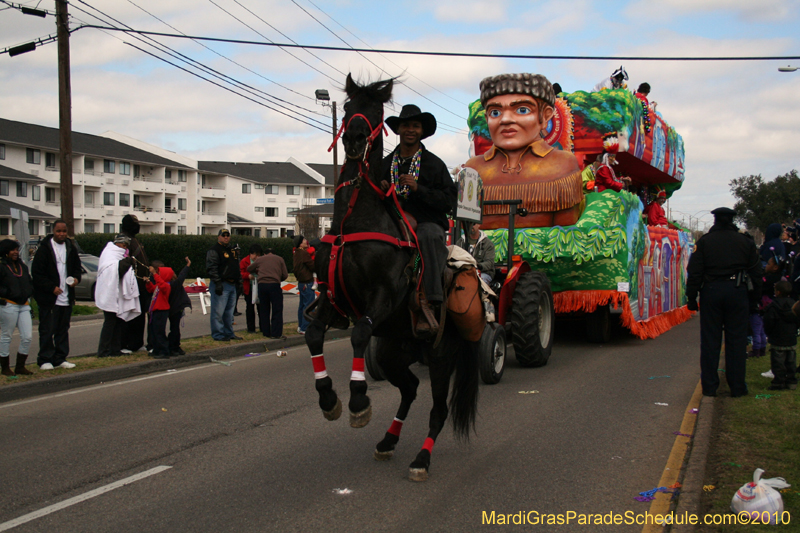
747,10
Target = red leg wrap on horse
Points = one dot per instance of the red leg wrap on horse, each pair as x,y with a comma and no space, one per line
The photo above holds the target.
358,370
319,366
428,445
396,426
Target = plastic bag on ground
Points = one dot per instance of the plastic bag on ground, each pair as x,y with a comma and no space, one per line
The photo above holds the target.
760,499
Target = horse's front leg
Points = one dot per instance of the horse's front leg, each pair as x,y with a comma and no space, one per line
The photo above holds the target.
328,400
360,406
440,385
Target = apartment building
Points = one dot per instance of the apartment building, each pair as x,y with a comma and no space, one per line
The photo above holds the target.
114,175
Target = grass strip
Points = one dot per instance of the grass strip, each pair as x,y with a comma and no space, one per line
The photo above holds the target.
750,433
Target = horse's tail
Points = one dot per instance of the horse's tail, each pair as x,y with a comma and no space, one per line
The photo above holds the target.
464,398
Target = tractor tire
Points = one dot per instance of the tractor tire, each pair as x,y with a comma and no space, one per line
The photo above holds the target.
492,349
532,319
598,325
371,360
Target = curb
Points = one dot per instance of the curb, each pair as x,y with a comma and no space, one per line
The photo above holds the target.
21,391
77,318
692,490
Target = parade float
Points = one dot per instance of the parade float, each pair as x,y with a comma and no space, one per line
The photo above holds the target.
609,262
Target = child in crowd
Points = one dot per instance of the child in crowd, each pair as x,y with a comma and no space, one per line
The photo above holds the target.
178,302
780,324
159,308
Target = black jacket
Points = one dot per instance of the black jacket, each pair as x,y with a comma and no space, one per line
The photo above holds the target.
45,272
720,254
436,192
17,289
780,324
178,299
222,264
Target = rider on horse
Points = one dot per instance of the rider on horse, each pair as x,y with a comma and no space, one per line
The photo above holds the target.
428,193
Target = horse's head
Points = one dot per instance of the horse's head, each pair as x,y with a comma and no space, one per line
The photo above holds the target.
363,115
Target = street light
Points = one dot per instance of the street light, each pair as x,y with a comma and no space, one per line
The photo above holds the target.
323,97
787,69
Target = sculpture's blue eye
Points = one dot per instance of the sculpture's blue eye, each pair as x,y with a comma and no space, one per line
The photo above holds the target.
494,113
522,110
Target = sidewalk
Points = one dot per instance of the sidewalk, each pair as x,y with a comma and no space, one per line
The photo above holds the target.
77,378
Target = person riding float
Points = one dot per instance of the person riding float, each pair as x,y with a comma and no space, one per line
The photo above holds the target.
428,193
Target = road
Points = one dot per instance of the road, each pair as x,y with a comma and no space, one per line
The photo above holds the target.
248,450
85,334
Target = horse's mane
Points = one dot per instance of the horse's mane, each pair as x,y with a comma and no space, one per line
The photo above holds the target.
379,90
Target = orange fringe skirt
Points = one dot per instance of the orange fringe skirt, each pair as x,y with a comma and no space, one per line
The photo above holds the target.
588,301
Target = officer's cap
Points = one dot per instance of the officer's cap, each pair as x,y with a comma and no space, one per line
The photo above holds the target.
724,211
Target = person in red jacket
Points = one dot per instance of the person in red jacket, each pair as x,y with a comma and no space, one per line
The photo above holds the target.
159,309
604,177
654,211
247,287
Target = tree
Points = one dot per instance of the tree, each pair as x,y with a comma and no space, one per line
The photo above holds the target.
760,203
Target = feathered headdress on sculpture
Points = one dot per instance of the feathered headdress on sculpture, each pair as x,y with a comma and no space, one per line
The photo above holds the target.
611,143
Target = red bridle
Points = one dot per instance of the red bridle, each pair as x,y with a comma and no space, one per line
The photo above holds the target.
337,242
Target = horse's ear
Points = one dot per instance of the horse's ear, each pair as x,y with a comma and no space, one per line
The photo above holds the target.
383,90
350,86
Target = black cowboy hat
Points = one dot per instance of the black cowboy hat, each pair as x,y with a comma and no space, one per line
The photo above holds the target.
412,112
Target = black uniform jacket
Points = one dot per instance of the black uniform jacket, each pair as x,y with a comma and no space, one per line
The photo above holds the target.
44,272
721,253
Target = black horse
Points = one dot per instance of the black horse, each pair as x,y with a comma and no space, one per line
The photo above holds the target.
365,266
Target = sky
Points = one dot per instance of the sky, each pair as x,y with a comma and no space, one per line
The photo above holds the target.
736,118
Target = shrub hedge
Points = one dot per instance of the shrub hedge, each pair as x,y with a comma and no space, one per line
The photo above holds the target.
171,249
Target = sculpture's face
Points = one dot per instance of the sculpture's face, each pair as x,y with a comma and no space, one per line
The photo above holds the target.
515,121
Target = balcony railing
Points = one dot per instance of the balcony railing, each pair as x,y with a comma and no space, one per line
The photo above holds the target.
213,213
147,209
151,180
171,210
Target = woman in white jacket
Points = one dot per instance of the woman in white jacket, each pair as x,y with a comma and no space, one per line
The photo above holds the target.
117,294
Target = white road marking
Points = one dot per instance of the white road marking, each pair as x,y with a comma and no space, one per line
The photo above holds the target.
83,497
171,372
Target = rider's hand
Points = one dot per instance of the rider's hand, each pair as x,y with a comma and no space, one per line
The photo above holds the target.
409,181
384,185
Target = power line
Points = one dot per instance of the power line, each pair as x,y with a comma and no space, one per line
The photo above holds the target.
240,65
201,66
451,54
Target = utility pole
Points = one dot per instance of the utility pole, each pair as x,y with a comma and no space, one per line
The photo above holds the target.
335,147
65,115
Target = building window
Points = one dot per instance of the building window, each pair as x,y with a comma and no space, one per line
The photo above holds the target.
259,209
181,230
108,228
273,233
49,195
137,171
88,164
124,199
167,230
271,189
36,193
271,211
88,199
22,189
182,176
124,168
182,204
259,186
293,190
108,166
245,188
290,211
257,232
203,230
4,226
4,190
108,198
88,227
33,156
168,175
2,151
50,160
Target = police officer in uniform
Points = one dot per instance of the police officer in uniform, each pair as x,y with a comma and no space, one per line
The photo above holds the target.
724,264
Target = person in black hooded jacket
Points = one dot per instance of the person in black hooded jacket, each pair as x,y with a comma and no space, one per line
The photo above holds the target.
133,331
780,323
16,289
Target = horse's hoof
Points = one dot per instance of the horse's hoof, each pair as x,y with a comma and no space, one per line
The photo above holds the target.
359,420
383,456
334,413
417,474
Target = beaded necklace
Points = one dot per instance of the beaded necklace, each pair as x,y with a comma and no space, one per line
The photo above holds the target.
12,270
403,190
